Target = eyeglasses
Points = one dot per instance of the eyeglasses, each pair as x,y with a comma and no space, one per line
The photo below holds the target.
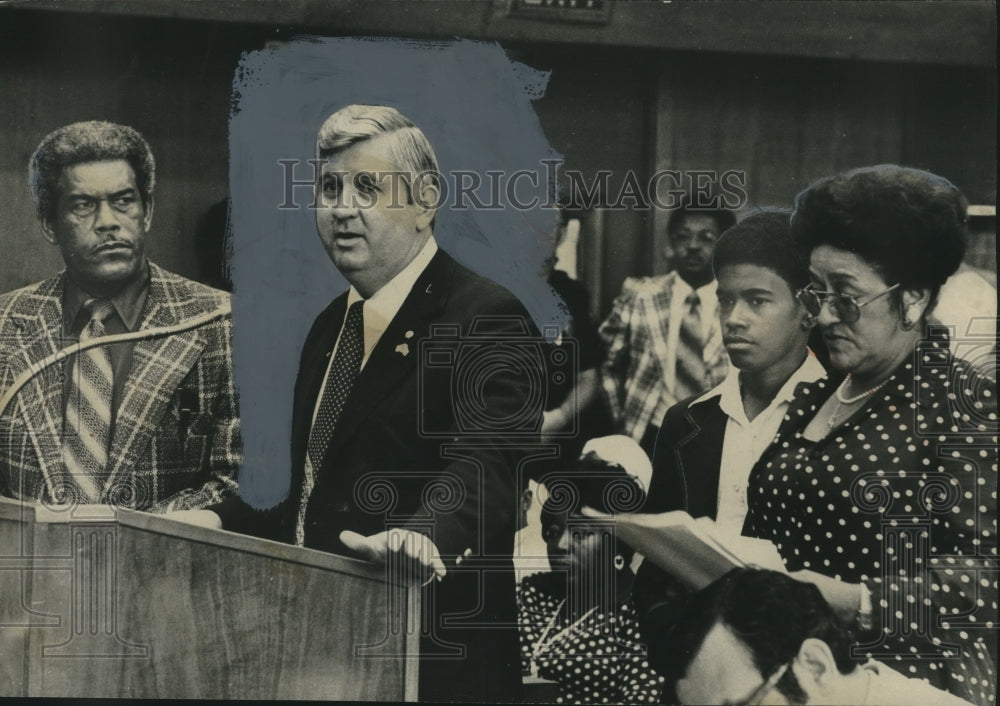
684,236
764,689
846,307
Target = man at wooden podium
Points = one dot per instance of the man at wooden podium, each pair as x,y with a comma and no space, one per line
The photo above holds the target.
390,460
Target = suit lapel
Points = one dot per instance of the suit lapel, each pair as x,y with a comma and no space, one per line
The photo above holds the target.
317,359
699,456
395,355
39,403
158,366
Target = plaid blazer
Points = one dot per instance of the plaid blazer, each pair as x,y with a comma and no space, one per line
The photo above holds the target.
176,442
634,371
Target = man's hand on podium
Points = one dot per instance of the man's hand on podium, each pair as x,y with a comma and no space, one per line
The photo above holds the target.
420,558
201,518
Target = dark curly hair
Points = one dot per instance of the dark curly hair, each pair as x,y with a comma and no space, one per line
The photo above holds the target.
92,141
769,612
765,239
908,224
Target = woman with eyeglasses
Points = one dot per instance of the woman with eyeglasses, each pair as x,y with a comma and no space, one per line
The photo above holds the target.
880,487
578,622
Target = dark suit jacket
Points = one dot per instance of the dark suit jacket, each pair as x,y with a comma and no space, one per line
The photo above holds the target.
403,454
686,465
687,458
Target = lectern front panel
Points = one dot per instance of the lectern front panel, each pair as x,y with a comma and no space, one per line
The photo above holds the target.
134,605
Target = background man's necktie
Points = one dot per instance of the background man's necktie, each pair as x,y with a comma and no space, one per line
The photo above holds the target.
343,372
690,372
87,425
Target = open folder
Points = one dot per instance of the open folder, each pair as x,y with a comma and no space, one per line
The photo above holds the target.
693,551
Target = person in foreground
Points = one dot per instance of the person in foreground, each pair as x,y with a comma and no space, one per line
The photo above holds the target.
761,637
881,489
578,624
150,423
372,419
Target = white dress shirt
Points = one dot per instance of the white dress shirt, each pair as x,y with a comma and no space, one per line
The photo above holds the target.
380,309
745,440
709,311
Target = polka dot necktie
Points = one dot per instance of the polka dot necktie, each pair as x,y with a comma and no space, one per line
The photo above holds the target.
343,372
87,424
690,372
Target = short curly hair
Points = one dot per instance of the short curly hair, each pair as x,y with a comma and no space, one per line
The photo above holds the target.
883,212
771,613
764,238
91,141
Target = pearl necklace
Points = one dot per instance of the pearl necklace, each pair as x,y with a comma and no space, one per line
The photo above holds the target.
852,400
839,394
542,645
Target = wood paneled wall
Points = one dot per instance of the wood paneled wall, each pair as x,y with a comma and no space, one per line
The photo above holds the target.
170,80
785,123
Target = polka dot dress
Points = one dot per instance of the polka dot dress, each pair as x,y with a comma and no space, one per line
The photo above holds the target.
601,660
902,496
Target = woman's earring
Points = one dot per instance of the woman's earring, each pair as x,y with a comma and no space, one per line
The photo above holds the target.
619,562
808,321
911,317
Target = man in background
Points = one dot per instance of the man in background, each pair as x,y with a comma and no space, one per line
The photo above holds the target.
662,336
148,423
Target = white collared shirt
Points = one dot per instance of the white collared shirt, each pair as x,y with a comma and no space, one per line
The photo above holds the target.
380,309
745,440
709,312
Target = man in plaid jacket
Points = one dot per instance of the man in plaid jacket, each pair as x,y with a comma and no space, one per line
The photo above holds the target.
169,436
641,374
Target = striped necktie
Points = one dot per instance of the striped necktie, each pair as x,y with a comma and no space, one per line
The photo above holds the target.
690,369
87,424
340,380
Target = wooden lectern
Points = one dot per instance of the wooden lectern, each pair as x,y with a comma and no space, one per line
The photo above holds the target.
97,602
